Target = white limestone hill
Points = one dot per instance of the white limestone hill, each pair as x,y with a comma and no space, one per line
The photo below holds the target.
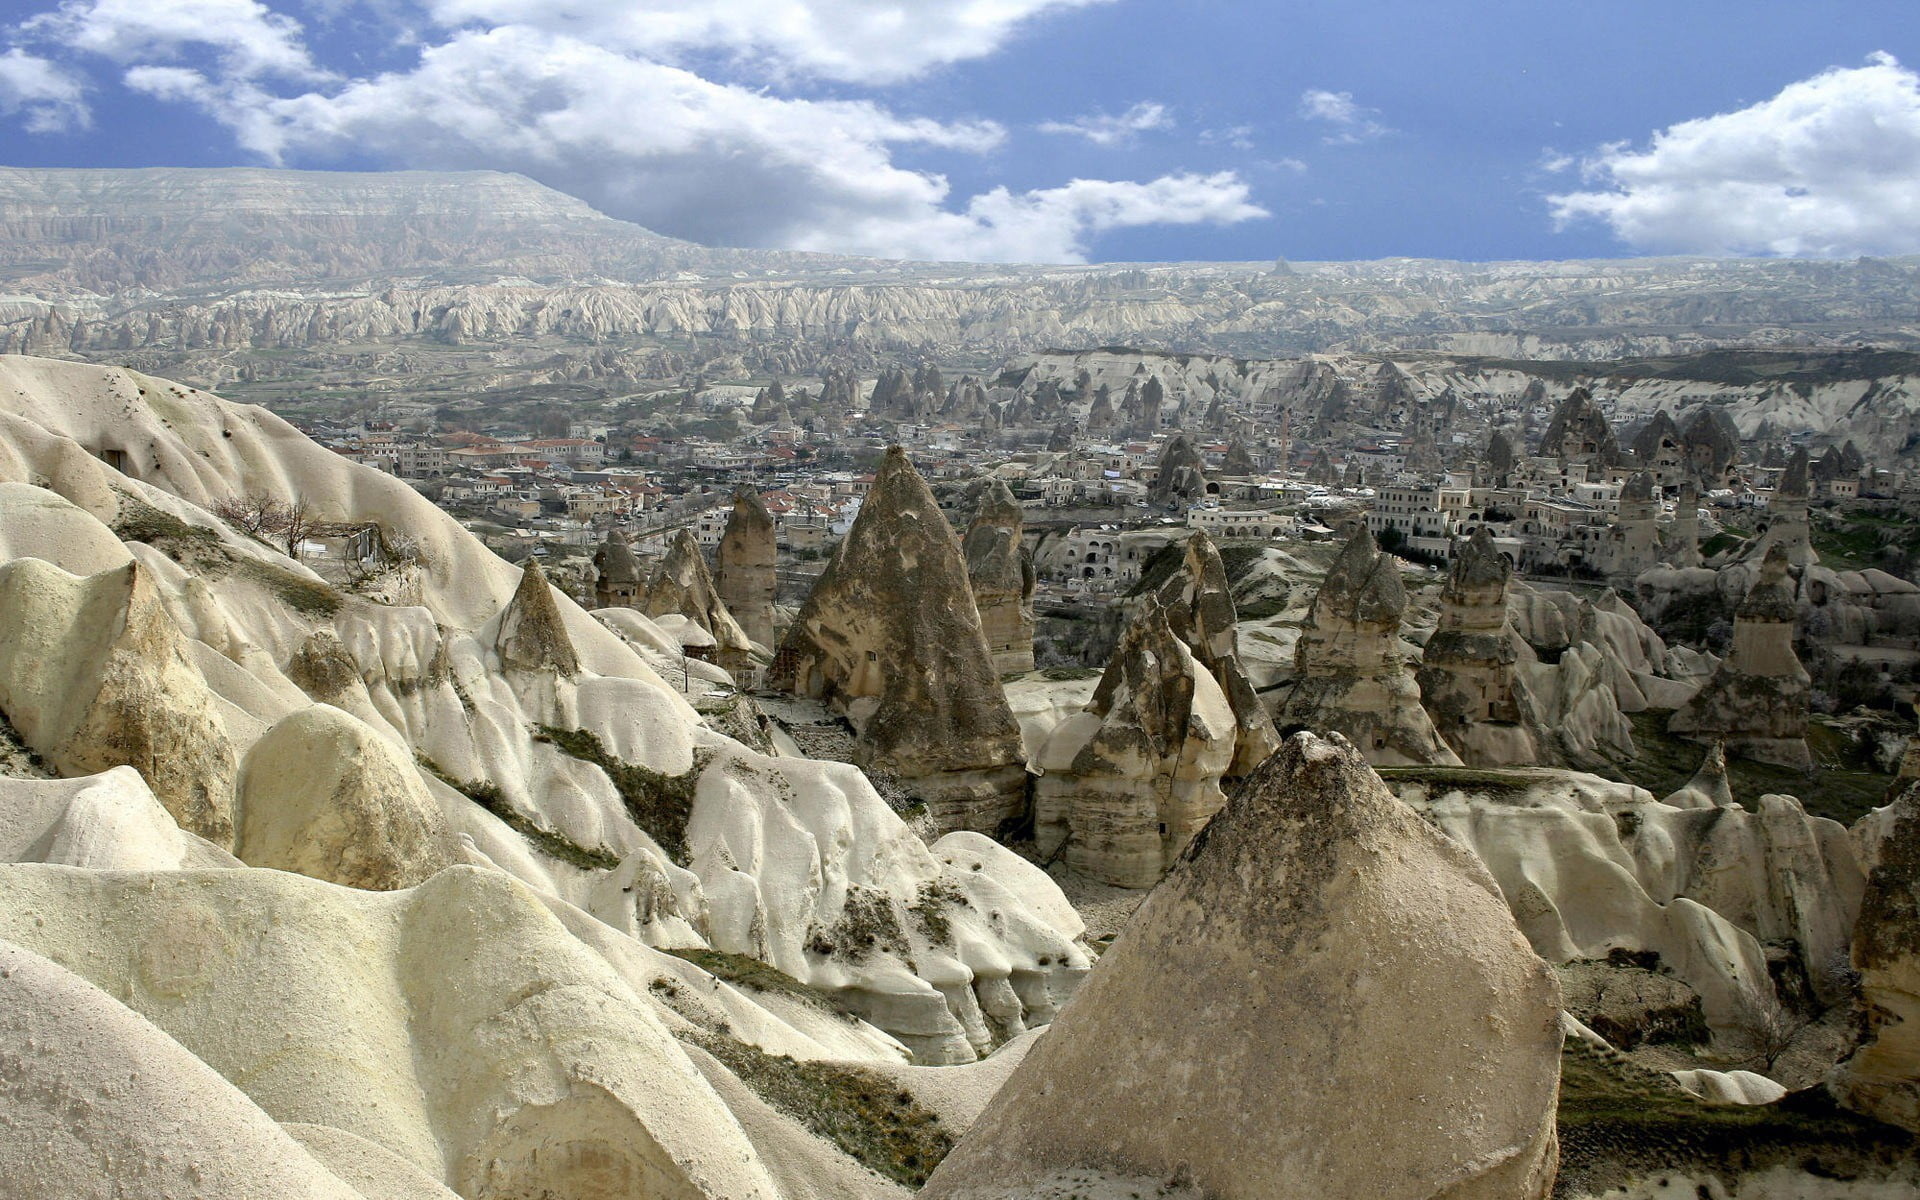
218,709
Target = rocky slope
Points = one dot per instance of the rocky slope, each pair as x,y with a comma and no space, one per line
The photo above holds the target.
487,815
220,273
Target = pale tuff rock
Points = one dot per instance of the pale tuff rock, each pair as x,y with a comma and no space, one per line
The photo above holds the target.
778,847
682,586
1467,672
1882,1079
1589,865
1200,611
362,1011
324,795
1709,787
531,635
1000,570
1757,699
1351,674
743,566
1182,476
618,578
100,1104
94,674
1126,784
105,822
891,636
1303,927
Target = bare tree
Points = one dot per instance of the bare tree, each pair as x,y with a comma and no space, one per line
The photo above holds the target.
300,525
255,513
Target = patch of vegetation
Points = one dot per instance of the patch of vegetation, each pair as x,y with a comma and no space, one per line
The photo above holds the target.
1496,784
555,845
1690,615
867,923
930,909
659,804
1620,1122
1069,674
303,595
1664,762
1256,610
755,975
870,1118
138,521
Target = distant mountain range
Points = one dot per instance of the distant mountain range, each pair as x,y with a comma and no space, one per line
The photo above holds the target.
221,275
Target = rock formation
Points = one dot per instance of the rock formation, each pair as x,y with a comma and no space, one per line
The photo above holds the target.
1634,543
1683,536
1756,701
1200,611
682,586
1787,525
1579,433
744,566
1712,445
95,674
1000,570
618,579
1126,784
324,795
891,636
531,636
1182,477
1882,1078
1351,673
1317,922
1466,676
1237,462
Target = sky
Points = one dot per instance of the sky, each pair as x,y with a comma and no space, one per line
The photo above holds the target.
1042,130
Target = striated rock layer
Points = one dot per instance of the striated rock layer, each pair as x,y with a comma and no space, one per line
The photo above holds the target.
1351,673
1882,1078
1000,569
1467,674
1326,997
744,566
891,636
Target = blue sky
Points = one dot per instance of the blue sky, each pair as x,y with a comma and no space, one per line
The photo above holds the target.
1040,130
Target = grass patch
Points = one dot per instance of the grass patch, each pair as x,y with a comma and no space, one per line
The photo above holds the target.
299,593
1496,784
1663,762
1069,674
1619,1122
870,1118
659,804
929,910
755,975
489,796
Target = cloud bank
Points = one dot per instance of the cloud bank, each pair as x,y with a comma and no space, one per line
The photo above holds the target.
1829,167
714,120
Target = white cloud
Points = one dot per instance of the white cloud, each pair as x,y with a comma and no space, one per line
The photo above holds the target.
1239,137
866,41
716,159
1828,167
46,98
1103,129
1351,122
1049,224
249,38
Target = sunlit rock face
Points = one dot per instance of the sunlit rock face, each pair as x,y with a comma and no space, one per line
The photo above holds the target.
1882,1078
1351,674
1756,702
1312,916
891,637
744,566
1467,671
